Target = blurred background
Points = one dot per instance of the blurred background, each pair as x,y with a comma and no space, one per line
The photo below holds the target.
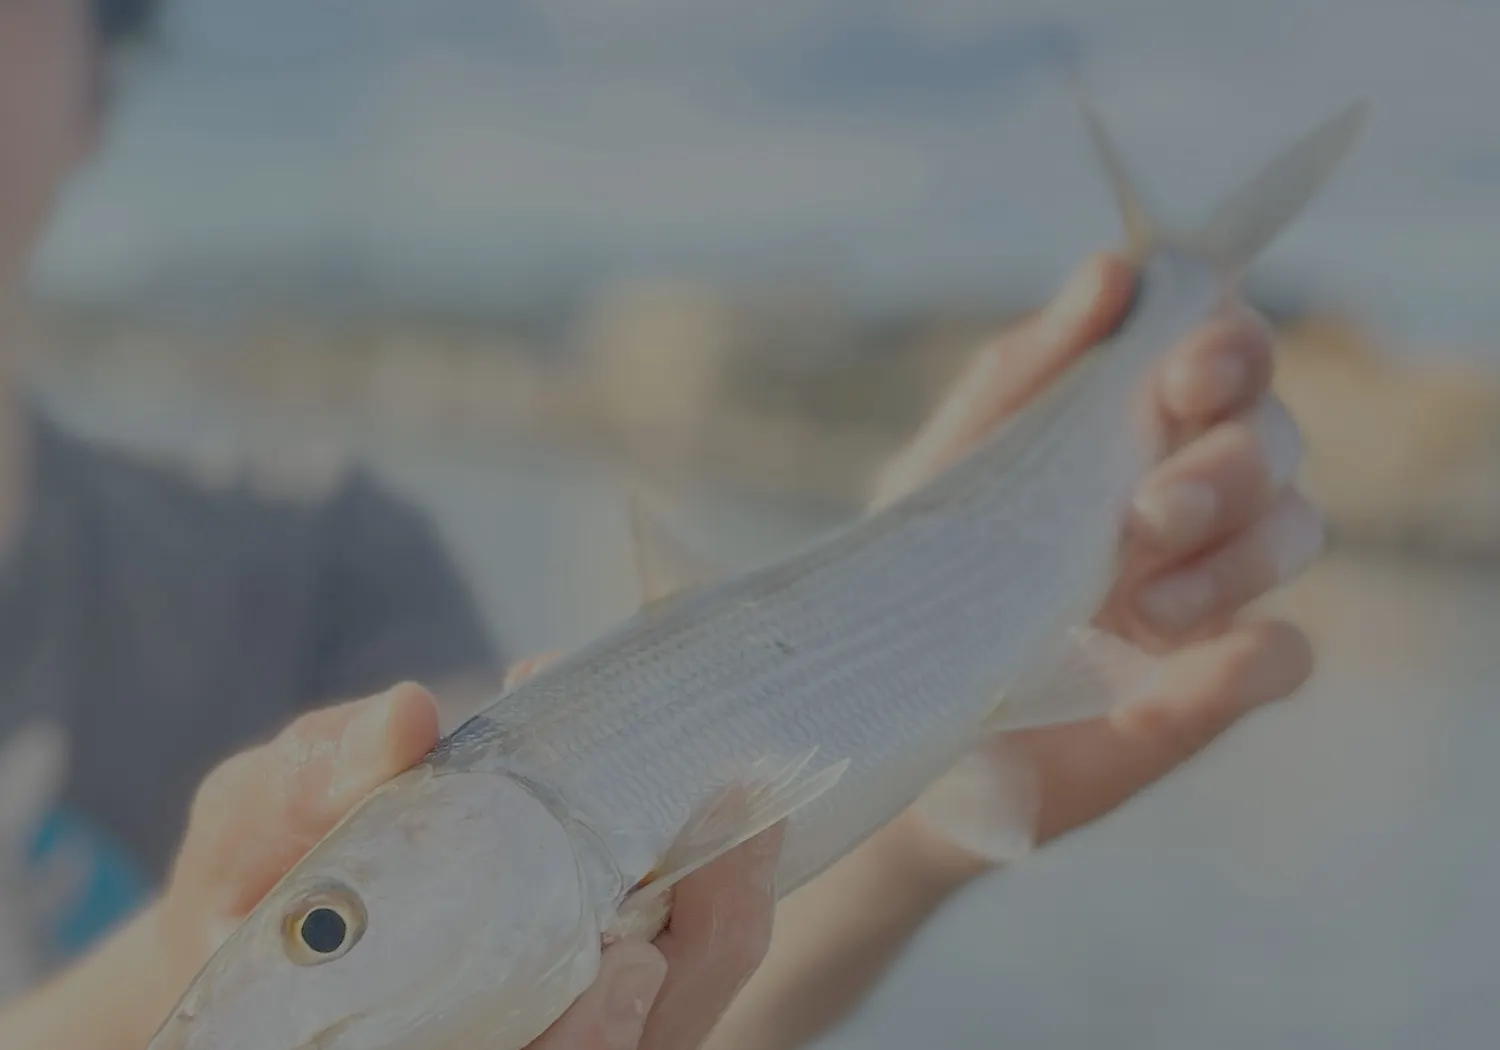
516,253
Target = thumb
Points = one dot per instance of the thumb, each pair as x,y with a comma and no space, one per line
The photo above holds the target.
612,1013
1010,373
259,812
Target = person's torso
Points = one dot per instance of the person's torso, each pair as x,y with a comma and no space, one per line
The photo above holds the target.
161,626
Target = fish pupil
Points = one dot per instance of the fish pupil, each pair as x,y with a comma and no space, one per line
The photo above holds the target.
324,930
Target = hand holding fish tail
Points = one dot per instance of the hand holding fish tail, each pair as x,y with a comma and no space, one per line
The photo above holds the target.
1215,526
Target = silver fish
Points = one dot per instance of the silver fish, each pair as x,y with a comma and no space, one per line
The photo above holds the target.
464,903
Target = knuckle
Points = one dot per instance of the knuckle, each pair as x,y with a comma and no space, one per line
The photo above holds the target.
1234,665
300,759
1179,732
1241,453
309,735
1254,329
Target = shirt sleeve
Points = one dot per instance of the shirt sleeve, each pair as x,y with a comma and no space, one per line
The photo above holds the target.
392,605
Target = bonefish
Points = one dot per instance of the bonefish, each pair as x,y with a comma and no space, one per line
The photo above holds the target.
465,903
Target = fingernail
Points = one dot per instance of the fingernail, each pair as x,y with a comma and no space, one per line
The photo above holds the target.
1174,604
1280,441
632,990
1073,303
1292,539
1218,382
1177,515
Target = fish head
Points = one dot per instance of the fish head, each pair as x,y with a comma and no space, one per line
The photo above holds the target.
450,909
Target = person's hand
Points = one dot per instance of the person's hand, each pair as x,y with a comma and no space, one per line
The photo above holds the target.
259,812
1216,525
670,994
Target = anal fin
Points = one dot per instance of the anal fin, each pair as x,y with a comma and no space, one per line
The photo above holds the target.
988,803
1089,674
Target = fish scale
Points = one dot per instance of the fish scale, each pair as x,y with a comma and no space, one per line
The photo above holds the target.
828,691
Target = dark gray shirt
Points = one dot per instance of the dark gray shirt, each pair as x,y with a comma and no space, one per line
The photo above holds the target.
167,624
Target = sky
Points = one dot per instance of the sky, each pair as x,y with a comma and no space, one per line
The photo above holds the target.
481,150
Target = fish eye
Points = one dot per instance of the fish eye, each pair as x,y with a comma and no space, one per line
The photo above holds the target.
324,926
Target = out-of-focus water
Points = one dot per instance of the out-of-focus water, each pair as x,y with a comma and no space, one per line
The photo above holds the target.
1328,876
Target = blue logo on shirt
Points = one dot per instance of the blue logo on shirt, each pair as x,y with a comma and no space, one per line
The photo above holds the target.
90,882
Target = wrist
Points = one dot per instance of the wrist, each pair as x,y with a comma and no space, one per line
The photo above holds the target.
924,859
124,985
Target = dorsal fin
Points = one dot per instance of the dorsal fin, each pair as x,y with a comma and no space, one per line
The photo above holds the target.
1251,217
664,565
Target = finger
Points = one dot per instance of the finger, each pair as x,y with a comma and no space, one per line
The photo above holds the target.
1224,366
1264,557
1211,687
1090,768
1004,377
259,812
1218,484
528,667
719,933
612,1014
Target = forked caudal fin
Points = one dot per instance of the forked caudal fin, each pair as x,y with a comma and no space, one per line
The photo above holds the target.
1250,218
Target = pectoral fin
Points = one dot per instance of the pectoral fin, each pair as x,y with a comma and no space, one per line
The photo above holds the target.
1090,674
771,791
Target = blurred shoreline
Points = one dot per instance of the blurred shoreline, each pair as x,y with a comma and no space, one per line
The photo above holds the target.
786,392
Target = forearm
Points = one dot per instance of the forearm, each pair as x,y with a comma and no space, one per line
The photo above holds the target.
836,937
113,999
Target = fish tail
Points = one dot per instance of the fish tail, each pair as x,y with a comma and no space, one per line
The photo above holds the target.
1248,219
1255,214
